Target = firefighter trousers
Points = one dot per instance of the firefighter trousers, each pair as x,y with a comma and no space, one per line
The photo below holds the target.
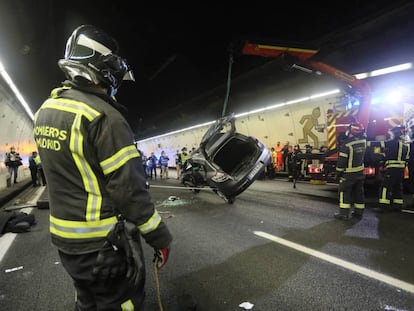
391,189
98,295
351,190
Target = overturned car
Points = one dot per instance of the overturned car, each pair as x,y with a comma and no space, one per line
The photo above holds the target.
226,161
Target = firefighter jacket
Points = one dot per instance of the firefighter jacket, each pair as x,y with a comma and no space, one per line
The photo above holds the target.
397,153
351,156
94,171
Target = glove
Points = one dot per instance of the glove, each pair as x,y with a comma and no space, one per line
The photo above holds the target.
161,257
133,251
110,263
124,241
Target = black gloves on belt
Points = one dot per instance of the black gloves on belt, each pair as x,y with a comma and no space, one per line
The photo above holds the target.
110,262
121,254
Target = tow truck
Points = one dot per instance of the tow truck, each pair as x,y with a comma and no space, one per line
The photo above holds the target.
354,106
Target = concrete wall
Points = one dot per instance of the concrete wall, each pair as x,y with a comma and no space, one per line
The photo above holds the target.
269,126
16,129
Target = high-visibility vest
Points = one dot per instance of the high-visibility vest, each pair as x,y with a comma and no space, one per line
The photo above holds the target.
37,160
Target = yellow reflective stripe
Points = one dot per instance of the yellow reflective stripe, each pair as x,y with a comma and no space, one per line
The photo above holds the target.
151,224
55,92
127,306
400,150
71,229
94,200
359,205
72,106
394,164
354,169
383,196
343,154
118,159
37,160
89,179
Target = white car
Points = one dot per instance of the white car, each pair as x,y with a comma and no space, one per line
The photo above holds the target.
226,161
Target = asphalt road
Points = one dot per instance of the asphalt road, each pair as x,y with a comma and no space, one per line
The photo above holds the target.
276,247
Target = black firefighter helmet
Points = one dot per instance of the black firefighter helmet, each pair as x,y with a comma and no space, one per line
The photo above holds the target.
91,58
397,132
355,128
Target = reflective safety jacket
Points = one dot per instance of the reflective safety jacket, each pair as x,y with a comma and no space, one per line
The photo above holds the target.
184,157
94,172
351,155
397,153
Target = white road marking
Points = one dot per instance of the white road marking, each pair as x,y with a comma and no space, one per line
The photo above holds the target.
13,269
7,239
36,197
180,187
339,262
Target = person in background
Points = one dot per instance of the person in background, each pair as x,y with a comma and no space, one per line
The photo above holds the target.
286,150
100,207
184,155
144,160
272,167
40,173
163,160
279,157
33,168
294,164
308,161
178,163
13,161
397,154
350,172
152,165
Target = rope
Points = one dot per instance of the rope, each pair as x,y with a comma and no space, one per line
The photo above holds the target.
157,286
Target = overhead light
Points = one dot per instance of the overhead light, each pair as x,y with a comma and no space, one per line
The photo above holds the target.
16,92
384,71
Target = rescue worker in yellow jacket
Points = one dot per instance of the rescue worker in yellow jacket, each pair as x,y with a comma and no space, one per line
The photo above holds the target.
100,207
350,171
397,154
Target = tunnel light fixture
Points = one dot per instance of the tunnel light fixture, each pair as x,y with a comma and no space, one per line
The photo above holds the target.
384,71
15,90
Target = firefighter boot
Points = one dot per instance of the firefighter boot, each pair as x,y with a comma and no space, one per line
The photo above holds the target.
343,214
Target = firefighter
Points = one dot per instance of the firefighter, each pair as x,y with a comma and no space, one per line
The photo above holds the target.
350,172
397,154
100,207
